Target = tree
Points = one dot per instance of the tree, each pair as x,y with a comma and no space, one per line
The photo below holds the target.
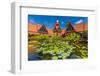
73,37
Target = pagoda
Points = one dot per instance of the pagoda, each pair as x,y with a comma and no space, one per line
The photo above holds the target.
57,29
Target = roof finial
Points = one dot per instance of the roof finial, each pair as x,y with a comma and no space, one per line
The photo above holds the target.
57,21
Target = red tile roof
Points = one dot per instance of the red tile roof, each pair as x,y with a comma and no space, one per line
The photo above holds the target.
81,27
33,28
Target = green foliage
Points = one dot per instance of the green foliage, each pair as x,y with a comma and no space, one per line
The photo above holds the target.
85,35
73,37
81,50
57,47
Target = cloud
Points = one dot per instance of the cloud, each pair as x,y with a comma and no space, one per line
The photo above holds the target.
80,21
31,21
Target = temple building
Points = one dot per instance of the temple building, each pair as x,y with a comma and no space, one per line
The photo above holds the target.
69,28
37,29
43,30
57,29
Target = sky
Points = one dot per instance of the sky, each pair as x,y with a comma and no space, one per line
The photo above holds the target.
49,20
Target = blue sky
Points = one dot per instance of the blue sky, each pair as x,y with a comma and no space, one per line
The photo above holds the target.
49,21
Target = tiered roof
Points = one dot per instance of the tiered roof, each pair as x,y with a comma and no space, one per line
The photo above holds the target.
37,28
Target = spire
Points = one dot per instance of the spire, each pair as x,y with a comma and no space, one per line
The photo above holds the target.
57,21
57,28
